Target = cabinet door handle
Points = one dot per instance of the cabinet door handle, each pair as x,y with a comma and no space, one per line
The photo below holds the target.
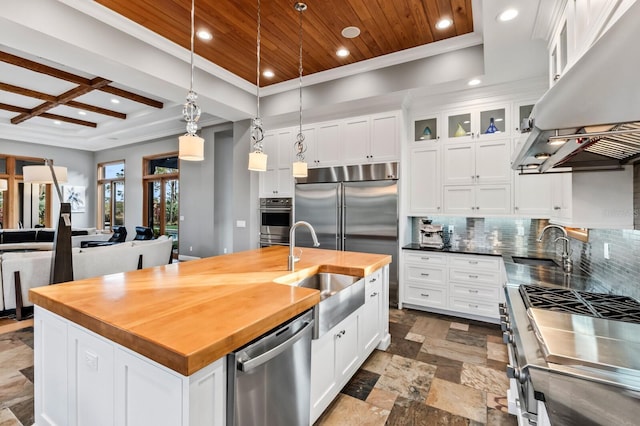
477,176
373,280
556,208
472,177
424,274
374,294
424,295
473,276
477,207
340,334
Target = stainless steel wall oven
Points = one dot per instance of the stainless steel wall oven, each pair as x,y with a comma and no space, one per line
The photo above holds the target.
276,218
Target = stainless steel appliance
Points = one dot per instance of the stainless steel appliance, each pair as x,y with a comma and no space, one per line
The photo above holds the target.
269,380
353,208
573,356
276,218
430,234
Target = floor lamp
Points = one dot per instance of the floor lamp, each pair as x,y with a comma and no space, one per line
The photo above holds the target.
61,264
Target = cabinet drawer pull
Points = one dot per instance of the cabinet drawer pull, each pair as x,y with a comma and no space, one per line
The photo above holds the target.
424,258
424,274
374,294
473,262
473,291
473,306
473,276
340,334
424,295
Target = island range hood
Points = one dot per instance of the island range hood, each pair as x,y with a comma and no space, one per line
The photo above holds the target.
590,119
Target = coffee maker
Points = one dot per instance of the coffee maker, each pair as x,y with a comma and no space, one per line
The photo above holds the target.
430,234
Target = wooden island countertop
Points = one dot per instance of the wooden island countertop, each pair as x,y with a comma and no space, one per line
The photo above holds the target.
187,315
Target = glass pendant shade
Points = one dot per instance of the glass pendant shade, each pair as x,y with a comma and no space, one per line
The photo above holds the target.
492,126
257,161
299,169
42,174
191,148
3,185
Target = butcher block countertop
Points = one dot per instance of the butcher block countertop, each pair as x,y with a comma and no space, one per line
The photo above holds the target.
189,314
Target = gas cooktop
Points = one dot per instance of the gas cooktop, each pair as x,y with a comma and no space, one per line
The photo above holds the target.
607,306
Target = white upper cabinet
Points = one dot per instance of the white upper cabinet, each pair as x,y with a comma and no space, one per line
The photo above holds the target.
426,128
327,151
481,162
478,123
277,181
424,180
371,139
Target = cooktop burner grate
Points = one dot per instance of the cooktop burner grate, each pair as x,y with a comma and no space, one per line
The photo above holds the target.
597,305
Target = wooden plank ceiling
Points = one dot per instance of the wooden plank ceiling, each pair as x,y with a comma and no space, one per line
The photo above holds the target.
386,26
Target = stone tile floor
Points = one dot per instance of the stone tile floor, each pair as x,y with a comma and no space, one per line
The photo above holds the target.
439,370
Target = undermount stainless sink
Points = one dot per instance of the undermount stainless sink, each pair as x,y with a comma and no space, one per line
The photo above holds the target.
340,295
535,261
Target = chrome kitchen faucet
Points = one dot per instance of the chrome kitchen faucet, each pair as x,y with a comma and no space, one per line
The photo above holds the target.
567,263
292,241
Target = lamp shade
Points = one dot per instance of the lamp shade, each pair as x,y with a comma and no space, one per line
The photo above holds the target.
191,148
3,185
258,161
299,169
42,174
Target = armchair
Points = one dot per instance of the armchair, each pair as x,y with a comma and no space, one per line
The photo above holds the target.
119,236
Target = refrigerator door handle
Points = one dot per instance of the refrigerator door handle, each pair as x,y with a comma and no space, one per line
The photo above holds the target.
343,219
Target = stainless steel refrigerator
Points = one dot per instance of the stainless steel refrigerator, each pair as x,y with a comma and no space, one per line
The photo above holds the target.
354,209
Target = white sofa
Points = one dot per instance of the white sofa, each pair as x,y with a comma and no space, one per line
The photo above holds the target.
34,268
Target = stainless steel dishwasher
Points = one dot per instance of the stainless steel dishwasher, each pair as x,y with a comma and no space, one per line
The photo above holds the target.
269,380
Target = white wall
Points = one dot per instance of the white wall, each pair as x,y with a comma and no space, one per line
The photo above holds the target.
81,172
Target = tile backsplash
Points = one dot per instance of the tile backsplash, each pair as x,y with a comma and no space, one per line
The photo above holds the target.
620,273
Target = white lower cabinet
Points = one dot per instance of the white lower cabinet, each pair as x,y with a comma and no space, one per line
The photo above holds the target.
82,378
458,284
337,355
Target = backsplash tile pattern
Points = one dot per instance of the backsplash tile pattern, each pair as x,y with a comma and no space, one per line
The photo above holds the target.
620,273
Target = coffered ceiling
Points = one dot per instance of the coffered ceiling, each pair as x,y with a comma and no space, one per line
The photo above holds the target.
386,26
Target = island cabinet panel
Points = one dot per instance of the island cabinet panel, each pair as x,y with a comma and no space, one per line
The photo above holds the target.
91,388
51,385
145,393
337,355
85,379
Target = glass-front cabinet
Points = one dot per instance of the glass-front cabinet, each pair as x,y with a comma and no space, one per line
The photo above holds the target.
479,123
426,128
521,113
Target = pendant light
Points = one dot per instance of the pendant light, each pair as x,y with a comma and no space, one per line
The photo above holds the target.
191,145
300,166
257,158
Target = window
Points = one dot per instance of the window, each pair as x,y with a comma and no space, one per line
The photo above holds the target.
161,194
23,205
110,194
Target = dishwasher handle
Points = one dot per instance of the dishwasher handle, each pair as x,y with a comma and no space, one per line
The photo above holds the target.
251,363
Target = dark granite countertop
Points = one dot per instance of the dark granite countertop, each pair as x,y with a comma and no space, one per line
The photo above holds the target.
520,274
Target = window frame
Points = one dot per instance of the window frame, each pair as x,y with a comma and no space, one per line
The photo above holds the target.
101,181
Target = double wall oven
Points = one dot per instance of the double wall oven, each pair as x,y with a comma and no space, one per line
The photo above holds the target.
276,218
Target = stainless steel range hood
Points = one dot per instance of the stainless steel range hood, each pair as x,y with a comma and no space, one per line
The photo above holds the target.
594,107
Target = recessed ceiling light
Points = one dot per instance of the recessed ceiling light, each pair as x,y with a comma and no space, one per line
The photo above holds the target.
115,101
508,15
82,112
350,32
474,82
342,52
268,73
444,23
204,35
57,122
